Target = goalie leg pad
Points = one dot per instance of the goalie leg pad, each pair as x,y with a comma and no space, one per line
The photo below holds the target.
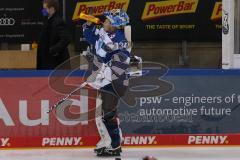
114,131
105,140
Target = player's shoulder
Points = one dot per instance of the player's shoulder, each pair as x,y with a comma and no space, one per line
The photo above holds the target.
119,36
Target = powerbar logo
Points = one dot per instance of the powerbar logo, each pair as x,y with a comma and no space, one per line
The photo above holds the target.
217,11
60,141
170,7
98,7
139,140
207,140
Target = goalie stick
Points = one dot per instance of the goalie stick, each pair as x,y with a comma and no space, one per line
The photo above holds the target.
65,98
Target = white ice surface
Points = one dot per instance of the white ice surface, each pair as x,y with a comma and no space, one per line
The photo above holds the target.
184,153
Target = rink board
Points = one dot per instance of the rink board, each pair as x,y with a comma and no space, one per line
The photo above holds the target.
25,96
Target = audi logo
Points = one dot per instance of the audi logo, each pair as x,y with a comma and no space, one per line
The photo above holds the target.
7,21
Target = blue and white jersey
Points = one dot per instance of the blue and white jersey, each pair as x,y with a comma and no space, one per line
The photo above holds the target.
111,48
106,43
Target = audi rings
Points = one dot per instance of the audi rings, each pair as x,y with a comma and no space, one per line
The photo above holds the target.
7,21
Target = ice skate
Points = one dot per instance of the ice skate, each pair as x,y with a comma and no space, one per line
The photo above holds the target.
108,152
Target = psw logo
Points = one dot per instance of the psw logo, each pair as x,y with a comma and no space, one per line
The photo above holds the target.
207,140
139,140
66,141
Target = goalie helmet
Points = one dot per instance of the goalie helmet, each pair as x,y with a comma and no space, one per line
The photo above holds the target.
117,17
